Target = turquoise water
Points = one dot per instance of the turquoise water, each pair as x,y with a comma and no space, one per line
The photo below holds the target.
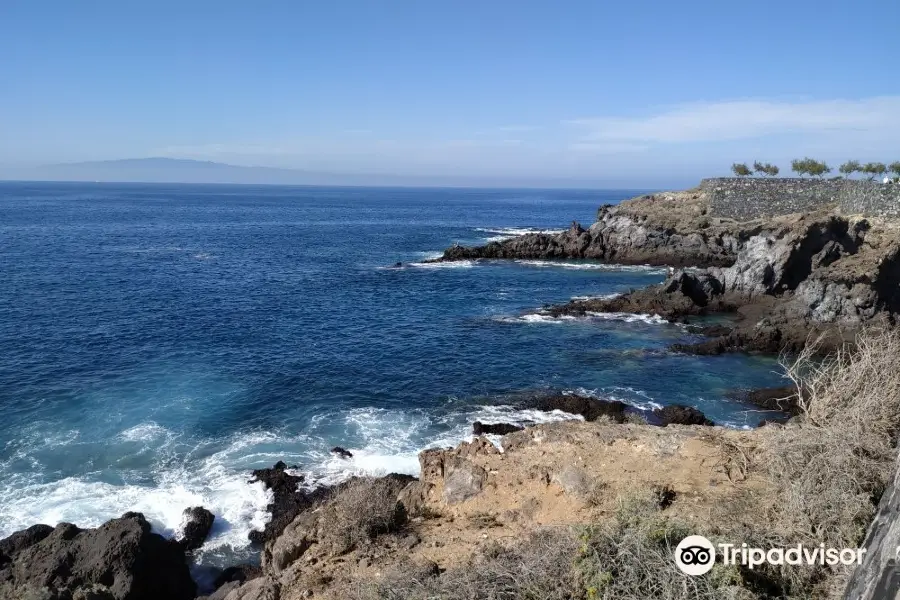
159,341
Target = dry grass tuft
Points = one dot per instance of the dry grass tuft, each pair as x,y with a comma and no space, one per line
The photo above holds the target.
832,464
539,567
364,508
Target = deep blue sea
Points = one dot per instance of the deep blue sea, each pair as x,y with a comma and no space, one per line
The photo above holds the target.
158,341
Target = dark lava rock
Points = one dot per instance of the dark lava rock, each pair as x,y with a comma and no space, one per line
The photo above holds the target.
783,398
679,414
712,330
121,559
20,540
479,428
589,408
238,573
341,452
197,524
288,500
665,496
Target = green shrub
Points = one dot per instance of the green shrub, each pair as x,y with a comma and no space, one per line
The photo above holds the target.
874,169
850,167
765,169
741,169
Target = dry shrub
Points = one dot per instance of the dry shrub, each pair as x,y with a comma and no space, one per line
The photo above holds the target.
832,464
364,508
539,567
631,557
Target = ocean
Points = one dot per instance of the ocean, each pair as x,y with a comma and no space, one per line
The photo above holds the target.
159,341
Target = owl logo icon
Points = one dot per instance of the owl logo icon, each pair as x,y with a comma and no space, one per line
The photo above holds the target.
695,555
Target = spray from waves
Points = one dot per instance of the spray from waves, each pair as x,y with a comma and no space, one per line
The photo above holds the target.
636,398
215,473
501,234
457,264
598,297
588,317
594,266
627,317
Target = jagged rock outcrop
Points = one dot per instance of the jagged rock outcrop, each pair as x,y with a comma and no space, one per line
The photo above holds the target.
662,229
785,279
197,523
678,414
120,560
479,428
288,500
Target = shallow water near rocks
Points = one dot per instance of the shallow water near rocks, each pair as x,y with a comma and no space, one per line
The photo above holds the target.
159,341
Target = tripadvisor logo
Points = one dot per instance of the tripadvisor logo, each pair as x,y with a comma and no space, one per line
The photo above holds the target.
695,555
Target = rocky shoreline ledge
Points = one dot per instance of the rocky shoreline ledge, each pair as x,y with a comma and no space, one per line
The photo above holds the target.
785,279
122,559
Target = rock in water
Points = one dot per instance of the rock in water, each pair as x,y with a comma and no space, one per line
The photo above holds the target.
342,452
121,559
589,408
679,414
287,500
479,428
197,524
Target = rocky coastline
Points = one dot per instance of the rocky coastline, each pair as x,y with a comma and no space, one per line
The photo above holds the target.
123,559
784,280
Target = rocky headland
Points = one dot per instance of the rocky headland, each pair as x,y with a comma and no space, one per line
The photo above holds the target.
564,510
784,279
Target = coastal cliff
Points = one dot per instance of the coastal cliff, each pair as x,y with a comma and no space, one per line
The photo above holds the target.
784,278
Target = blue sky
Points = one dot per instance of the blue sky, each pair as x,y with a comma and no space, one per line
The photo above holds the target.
638,92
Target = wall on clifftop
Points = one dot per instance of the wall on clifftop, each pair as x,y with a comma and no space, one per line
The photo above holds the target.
751,198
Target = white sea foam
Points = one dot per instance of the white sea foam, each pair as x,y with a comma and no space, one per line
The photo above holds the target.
633,397
544,318
598,297
538,318
628,317
456,264
593,266
501,234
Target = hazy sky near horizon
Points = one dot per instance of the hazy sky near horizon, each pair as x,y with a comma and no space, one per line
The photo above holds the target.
574,89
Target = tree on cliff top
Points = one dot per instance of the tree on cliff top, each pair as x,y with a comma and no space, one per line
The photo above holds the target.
874,169
809,166
765,168
741,169
850,167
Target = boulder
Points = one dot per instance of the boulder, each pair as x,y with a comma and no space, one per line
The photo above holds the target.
574,481
120,560
679,414
462,480
589,408
288,500
341,452
236,573
479,428
196,525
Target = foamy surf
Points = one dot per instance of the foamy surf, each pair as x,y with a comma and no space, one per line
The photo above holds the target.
593,266
501,234
628,317
635,398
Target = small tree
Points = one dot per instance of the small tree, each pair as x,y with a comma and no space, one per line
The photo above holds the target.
741,169
817,169
894,168
850,167
800,167
765,168
874,169
808,166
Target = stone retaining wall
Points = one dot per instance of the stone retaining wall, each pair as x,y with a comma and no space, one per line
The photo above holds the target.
751,198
